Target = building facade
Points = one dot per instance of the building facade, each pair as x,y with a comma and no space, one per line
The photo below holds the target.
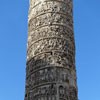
50,69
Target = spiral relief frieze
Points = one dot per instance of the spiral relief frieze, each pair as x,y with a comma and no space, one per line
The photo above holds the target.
50,68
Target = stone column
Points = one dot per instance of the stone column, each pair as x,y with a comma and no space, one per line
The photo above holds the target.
50,70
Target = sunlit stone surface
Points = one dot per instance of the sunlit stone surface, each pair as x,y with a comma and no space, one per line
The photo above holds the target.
50,70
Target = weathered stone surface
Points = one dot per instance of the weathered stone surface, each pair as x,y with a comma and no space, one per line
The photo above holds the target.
50,70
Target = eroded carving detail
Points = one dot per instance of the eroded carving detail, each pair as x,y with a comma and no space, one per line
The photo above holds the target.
50,69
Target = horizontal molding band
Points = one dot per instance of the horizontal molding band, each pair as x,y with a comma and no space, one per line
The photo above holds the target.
64,14
47,1
46,38
47,83
52,50
50,66
63,25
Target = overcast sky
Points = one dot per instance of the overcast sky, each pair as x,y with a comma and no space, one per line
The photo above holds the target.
13,38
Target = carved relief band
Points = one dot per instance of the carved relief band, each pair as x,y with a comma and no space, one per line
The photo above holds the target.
50,68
